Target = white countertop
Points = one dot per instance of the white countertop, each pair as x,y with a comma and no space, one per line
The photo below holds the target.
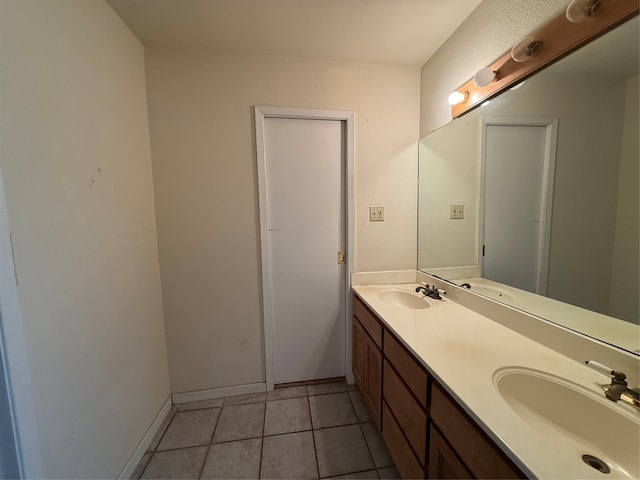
463,349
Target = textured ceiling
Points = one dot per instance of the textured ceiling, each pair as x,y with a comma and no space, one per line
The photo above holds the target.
405,32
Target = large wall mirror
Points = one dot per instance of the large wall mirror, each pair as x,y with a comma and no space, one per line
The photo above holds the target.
532,199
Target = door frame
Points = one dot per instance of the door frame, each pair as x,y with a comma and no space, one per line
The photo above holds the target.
14,360
348,121
546,195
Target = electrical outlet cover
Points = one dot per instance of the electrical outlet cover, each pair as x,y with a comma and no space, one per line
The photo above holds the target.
456,211
376,214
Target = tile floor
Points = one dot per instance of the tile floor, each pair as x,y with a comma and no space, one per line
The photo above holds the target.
314,431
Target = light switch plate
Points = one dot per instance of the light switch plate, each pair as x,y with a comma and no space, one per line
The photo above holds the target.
456,211
376,214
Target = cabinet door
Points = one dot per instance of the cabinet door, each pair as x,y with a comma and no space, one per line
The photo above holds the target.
408,413
402,454
443,462
359,354
373,380
479,452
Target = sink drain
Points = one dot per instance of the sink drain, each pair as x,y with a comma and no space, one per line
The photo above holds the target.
595,462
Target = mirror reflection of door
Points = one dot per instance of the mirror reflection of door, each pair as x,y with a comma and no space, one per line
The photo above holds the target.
518,164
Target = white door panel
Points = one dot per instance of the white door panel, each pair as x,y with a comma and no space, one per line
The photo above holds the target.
513,201
304,185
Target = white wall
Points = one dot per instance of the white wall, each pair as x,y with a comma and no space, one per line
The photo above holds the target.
624,273
449,175
203,148
491,29
76,165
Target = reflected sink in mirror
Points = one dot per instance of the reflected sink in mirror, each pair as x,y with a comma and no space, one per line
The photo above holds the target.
404,299
490,291
575,419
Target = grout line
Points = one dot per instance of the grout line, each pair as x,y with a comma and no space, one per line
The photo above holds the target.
264,421
355,410
155,450
166,429
206,455
287,433
313,437
364,437
352,473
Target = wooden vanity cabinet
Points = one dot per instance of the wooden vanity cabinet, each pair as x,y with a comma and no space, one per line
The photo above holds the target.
443,461
461,446
405,393
367,358
427,433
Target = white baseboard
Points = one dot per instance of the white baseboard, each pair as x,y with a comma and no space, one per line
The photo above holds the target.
221,392
141,449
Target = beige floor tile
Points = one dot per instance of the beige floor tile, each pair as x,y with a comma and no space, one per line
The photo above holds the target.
238,422
362,411
287,416
331,410
377,447
188,429
163,428
287,392
242,399
213,403
342,450
180,464
289,456
324,388
239,459
389,473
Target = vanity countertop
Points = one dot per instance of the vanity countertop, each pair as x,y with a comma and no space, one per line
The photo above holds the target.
463,350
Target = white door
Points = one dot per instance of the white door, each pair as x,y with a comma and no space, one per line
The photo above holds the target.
518,175
304,160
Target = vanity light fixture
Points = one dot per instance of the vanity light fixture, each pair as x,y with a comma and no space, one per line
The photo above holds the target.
458,97
484,77
582,10
526,48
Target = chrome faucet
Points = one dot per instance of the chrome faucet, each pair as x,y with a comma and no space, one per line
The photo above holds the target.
618,389
431,292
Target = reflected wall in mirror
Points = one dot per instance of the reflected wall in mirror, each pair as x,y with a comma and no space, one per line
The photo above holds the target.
579,119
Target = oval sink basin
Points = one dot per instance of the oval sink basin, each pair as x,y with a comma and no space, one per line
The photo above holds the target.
575,419
492,292
404,299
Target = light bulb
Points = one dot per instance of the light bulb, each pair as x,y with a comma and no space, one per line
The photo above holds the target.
525,48
583,10
484,77
457,97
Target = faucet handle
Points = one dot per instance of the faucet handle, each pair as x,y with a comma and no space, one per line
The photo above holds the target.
616,376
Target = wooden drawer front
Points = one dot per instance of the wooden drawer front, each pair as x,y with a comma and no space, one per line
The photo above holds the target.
406,463
479,453
443,461
410,371
359,353
370,323
373,390
408,413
